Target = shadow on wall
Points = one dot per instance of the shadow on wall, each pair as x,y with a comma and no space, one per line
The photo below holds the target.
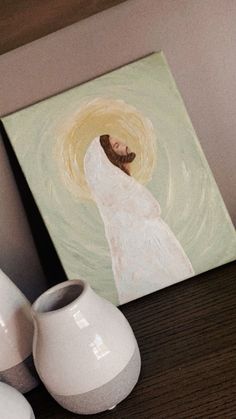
49,259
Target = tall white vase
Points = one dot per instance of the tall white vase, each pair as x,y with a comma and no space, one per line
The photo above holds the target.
18,256
84,349
13,405
16,336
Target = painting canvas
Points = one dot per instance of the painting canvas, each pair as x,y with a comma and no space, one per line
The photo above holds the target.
122,183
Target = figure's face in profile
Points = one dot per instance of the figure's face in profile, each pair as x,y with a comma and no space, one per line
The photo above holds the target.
117,152
119,147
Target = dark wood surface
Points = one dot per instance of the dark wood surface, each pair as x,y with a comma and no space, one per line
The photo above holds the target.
23,21
187,338
187,332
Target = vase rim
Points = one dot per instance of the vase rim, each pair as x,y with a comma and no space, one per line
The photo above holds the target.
53,291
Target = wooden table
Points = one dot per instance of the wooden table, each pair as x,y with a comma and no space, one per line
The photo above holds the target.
187,337
187,332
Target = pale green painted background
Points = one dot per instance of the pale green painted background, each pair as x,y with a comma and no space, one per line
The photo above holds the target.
182,181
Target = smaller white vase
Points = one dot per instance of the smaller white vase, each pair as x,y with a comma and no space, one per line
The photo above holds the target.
16,336
13,405
84,349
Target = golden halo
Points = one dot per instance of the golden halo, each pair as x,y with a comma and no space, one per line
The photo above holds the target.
105,116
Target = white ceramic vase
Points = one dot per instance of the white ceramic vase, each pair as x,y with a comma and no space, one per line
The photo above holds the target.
18,255
16,336
84,349
13,405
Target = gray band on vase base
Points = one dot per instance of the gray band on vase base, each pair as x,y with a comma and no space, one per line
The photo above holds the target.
22,376
106,396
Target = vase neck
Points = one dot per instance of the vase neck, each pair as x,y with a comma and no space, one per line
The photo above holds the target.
64,299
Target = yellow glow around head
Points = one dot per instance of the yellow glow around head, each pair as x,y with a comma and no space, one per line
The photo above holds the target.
105,116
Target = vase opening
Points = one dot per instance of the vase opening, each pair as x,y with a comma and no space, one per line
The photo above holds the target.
58,298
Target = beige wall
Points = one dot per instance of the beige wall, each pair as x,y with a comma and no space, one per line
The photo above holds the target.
198,38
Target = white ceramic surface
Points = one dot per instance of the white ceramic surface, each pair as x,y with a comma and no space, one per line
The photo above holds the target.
13,405
16,335
81,344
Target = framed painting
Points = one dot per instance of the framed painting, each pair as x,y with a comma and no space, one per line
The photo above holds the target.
122,183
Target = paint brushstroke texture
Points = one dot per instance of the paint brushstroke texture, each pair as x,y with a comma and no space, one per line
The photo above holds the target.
140,104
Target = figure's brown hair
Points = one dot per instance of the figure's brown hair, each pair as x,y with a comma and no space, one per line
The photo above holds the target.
115,158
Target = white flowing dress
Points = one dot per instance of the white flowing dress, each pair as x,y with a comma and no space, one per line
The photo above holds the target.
146,255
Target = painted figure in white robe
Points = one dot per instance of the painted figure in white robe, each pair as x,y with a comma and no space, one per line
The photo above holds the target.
145,253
